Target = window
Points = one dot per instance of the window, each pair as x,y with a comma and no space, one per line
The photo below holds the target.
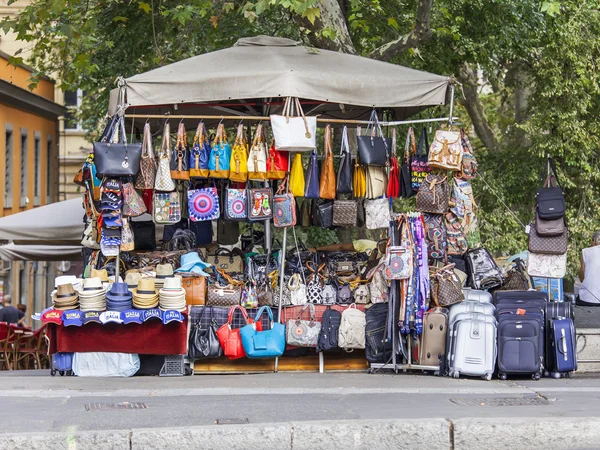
24,164
8,165
49,167
37,169
73,101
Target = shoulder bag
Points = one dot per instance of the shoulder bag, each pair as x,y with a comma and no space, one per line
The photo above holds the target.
327,182
314,285
228,295
203,204
200,153
203,342
163,181
344,213
147,175
550,199
236,204
325,213
297,176
133,204
455,235
116,159
547,245
446,288
469,163
230,261
229,338
551,227
548,266
393,186
446,151
297,290
436,237
311,189
257,160
303,333
167,207
239,158
295,134
406,186
399,258
359,180
260,201
263,344
180,158
284,207
344,175
277,163
377,213
220,155
418,164
195,289
432,196
373,148
378,286
376,181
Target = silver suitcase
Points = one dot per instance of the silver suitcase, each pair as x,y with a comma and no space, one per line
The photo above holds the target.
478,296
473,346
470,306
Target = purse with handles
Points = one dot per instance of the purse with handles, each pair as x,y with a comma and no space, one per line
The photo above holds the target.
277,163
118,159
418,165
180,158
284,207
163,181
399,258
311,189
220,155
327,181
294,134
297,183
297,290
344,213
230,338
147,175
547,245
433,195
228,295
200,153
373,148
344,183
257,159
238,164
446,151
203,342
266,343
303,333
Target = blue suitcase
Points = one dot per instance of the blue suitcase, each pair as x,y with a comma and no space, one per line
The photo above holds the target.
520,345
524,296
564,346
62,362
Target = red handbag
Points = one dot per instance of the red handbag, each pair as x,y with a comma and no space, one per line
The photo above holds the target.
230,339
277,163
393,189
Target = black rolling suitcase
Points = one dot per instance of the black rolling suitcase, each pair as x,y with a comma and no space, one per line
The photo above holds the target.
521,342
521,296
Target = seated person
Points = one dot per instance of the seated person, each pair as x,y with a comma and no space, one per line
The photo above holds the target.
589,273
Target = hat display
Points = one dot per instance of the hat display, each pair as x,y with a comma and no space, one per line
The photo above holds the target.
151,314
66,279
111,316
72,318
191,262
132,279
163,271
132,316
145,295
91,316
92,297
52,316
102,274
118,298
65,297
172,316
172,295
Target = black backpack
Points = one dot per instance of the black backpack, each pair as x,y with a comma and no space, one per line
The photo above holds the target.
330,327
378,345
550,200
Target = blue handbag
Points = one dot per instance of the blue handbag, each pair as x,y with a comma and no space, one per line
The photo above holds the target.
200,153
263,344
220,155
312,177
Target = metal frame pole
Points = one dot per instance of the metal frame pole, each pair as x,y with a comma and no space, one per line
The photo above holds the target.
451,119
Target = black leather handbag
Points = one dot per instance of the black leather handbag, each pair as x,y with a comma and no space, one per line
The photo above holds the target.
344,175
144,234
116,159
550,200
373,148
326,214
203,341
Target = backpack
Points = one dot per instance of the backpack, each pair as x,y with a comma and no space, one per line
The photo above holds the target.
378,344
352,329
484,271
435,236
330,326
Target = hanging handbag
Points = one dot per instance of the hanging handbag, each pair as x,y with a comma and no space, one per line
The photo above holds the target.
419,166
144,234
314,285
236,204
377,213
393,187
378,285
406,185
325,213
167,207
446,288
200,153
295,134
127,239
469,163
282,295
399,258
133,204
344,213
303,333
446,151
239,157
180,158
203,204
284,207
228,232
264,293
327,182
329,294
229,295
433,195
455,235
229,261
195,289
376,181
118,159
277,163
257,160
311,188
547,266
306,213
297,176
359,180
163,181
550,200
260,203
552,227
362,296
230,339
344,293
297,290
220,155
145,178
547,245
436,238
344,175
263,344
203,342
373,148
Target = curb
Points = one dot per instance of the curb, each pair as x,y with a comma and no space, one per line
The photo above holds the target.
413,434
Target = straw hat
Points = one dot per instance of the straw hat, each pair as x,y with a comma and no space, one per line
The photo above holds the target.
65,297
172,295
164,271
92,297
145,295
132,279
102,274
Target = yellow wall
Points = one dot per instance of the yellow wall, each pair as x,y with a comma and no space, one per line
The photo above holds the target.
19,76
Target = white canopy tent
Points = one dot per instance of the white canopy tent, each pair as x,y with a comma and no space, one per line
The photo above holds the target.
13,252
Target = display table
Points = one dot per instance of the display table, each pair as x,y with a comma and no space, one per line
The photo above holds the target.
149,338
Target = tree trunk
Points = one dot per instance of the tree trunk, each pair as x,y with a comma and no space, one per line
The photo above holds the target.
332,18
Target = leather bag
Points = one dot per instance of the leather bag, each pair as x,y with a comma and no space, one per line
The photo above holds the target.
311,188
284,208
325,211
230,338
303,333
257,159
163,181
294,134
144,234
239,158
297,176
133,204
220,155
118,159
446,287
344,213
547,266
359,180
195,289
547,245
145,178
433,195
344,183
277,163
200,153
266,343
203,342
373,148
552,227
229,295
180,157
167,207
418,164
376,181
236,204
260,204
446,151
550,200
377,213
203,204
327,182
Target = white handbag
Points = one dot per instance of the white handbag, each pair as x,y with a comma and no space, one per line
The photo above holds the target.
548,266
377,213
297,290
88,237
257,159
163,181
295,134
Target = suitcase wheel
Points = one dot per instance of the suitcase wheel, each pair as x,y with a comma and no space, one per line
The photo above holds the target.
53,372
536,376
61,372
487,377
502,376
455,375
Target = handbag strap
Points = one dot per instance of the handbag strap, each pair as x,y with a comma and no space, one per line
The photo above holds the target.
166,140
260,312
288,111
552,177
311,309
328,141
221,136
240,138
232,311
259,138
181,138
345,147
147,151
283,187
423,147
200,137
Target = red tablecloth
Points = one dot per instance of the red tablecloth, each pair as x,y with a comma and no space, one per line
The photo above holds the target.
150,338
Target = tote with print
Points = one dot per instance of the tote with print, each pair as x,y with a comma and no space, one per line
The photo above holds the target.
235,208
203,204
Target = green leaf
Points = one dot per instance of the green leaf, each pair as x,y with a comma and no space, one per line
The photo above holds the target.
145,7
393,23
312,14
120,19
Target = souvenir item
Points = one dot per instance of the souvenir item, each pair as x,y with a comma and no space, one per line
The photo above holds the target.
433,195
483,270
220,155
295,134
418,163
118,159
228,232
203,341
259,204
277,163
228,295
376,181
344,293
362,296
235,204
552,227
297,290
249,296
344,213
133,204
263,344
297,176
145,178
325,213
303,333
373,148
167,207
203,204
446,288
469,163
455,235
351,333
399,258
195,289
230,261
257,160
200,153
284,208
229,338
359,180
329,294
180,158
314,288
311,188
327,182
462,203
550,200
344,175
446,151
377,213
435,235
547,245
548,266
127,239
163,181
239,157
378,286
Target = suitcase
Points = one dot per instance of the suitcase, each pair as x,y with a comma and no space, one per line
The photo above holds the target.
519,295
563,348
432,348
559,309
520,345
472,346
476,295
470,307
62,363
510,306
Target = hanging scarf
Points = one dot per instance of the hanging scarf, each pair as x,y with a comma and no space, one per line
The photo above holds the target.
413,286
423,269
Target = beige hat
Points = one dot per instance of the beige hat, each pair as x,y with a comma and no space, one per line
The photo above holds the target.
65,294
132,279
164,271
102,274
92,287
146,288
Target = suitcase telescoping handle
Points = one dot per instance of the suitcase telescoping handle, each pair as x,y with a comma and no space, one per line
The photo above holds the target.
563,340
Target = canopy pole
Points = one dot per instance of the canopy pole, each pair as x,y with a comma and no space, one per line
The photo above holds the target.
451,120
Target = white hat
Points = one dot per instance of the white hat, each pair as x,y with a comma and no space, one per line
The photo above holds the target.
65,279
